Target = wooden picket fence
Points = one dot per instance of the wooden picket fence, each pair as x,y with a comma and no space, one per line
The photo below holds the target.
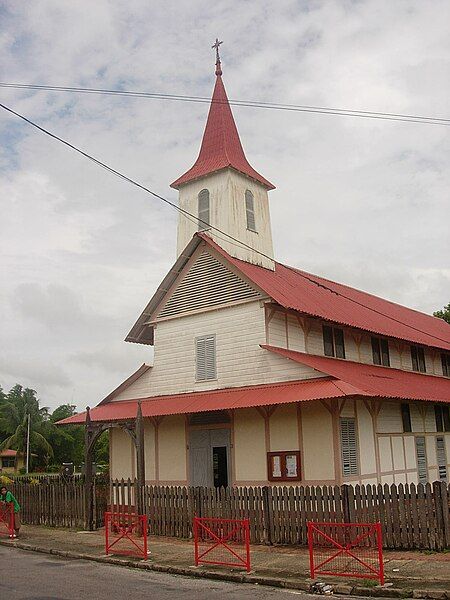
58,502
412,517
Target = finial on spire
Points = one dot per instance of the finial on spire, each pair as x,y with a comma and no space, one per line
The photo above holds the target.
218,65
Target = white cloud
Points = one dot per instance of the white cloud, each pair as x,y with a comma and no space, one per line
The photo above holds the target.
361,201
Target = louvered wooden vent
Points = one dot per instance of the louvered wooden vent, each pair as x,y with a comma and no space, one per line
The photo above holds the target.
207,283
421,454
205,348
349,447
441,458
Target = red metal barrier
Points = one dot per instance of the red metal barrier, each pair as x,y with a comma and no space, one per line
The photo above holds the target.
7,519
346,550
222,542
126,533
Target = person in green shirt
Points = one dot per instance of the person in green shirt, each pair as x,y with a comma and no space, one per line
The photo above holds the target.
8,498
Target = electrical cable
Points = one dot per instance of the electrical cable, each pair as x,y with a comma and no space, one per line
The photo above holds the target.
190,216
386,116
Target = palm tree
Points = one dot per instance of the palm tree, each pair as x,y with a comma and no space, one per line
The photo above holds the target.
21,405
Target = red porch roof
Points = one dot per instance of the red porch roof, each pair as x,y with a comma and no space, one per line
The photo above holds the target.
373,380
225,399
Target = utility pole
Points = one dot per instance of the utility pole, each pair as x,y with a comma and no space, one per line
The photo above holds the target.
28,444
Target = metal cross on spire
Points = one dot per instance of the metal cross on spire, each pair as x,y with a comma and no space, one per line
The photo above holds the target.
218,65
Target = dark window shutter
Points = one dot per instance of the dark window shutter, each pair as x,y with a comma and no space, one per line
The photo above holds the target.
421,358
406,418
376,354
445,359
339,343
414,359
421,455
438,417
349,447
385,353
328,345
441,458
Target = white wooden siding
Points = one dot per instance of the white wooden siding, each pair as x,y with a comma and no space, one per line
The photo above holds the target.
239,330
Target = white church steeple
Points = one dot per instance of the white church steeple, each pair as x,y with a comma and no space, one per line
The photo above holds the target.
224,190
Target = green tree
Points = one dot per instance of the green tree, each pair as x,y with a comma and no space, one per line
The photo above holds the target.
21,405
67,441
444,313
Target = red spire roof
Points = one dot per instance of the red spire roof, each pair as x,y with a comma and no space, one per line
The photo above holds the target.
221,146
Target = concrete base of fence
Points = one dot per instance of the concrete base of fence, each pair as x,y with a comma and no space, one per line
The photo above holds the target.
235,577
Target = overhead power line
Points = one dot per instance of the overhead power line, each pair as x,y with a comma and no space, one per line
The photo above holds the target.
190,216
344,112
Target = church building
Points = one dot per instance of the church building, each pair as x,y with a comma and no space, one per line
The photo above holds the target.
264,374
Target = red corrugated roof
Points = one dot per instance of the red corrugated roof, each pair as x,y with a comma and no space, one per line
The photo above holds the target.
319,297
226,399
221,146
374,380
8,452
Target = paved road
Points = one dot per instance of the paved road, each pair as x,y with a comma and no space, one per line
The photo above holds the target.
32,576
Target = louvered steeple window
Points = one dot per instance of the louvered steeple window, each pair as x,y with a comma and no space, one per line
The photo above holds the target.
250,210
205,348
203,210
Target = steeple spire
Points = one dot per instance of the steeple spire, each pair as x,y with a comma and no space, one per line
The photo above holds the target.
221,147
218,65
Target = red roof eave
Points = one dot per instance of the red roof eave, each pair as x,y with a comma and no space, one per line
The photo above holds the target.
374,380
224,399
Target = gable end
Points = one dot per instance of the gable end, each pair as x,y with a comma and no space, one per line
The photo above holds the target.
207,283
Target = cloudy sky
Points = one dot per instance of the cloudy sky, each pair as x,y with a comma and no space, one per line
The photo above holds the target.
361,201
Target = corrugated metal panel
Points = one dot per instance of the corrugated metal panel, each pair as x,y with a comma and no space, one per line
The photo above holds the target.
227,399
207,283
319,297
375,380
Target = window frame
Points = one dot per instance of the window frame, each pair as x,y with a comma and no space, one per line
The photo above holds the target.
405,411
332,338
8,462
442,418
198,366
418,362
381,347
283,469
353,462
445,361
422,480
204,214
250,211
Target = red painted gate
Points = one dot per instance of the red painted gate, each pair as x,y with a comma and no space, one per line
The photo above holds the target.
346,550
222,542
126,533
7,519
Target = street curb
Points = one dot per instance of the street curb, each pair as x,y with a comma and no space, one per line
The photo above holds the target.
199,573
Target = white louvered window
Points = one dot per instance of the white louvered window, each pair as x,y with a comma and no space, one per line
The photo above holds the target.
349,447
441,458
250,210
203,210
421,455
205,348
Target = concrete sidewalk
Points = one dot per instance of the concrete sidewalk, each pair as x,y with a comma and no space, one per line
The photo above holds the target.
408,574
